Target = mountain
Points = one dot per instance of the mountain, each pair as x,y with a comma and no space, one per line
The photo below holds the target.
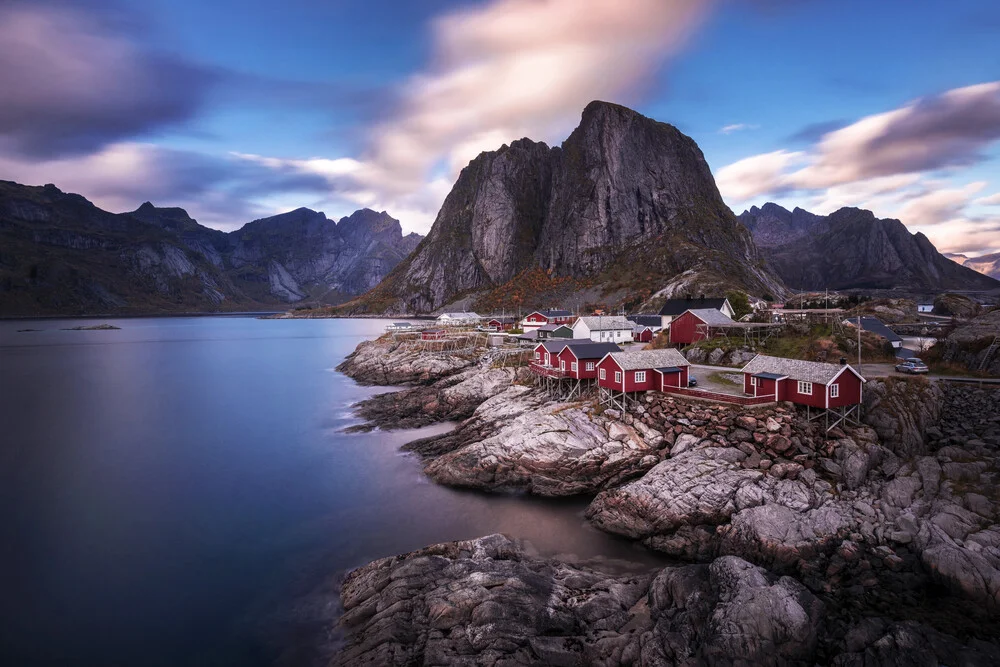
985,264
851,248
61,255
626,210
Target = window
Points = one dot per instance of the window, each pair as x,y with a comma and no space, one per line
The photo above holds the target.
834,390
753,382
640,376
590,366
562,364
618,376
538,355
805,388
574,367
604,375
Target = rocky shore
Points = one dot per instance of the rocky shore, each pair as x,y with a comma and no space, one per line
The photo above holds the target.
872,544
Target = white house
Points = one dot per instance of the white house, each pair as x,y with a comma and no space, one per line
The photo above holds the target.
925,307
462,319
603,329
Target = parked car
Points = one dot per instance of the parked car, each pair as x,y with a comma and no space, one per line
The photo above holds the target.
912,366
692,381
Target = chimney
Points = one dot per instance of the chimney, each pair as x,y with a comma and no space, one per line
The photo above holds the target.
843,361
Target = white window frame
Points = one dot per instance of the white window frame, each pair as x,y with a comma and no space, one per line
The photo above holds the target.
753,381
538,355
589,365
562,364
618,376
834,391
805,388
574,367
640,376
604,375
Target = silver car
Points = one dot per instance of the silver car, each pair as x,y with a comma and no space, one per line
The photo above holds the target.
912,365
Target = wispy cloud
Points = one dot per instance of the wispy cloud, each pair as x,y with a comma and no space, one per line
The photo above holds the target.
737,127
888,162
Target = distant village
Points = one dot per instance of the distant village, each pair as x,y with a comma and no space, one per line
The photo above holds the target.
619,357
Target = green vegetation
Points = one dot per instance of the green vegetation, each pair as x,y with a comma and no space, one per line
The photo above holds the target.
740,303
820,342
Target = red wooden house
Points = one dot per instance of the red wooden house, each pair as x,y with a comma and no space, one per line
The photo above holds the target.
694,325
542,317
810,383
433,334
623,373
505,323
642,335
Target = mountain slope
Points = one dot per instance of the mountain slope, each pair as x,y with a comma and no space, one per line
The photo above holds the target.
626,207
985,264
851,248
61,255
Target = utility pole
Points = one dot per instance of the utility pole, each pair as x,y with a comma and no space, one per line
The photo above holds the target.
859,344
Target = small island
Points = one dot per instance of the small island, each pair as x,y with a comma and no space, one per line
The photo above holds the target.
93,327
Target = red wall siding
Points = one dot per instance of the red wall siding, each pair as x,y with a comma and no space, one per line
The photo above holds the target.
683,329
676,379
610,366
764,387
850,390
582,373
790,392
536,318
644,336
651,381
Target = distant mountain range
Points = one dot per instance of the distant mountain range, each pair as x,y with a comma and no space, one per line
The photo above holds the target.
851,248
987,264
626,211
60,254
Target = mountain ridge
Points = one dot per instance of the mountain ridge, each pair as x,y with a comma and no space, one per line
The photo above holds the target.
626,209
61,255
853,249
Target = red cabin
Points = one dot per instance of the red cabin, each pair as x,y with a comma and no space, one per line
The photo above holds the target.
579,359
500,323
433,334
643,370
694,325
812,383
542,317
642,335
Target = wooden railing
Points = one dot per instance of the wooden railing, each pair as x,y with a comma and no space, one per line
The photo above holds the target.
548,371
720,397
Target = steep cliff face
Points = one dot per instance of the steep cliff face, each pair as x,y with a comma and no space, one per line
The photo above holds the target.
626,204
851,248
60,254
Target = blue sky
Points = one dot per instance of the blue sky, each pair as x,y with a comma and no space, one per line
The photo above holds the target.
239,109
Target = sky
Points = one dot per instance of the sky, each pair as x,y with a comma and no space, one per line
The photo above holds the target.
240,109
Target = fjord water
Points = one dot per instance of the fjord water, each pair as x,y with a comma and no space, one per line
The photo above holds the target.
180,492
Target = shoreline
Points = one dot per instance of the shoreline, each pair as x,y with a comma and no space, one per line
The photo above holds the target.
701,484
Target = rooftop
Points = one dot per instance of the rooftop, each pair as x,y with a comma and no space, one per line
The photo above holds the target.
711,316
796,369
607,323
678,306
630,361
876,326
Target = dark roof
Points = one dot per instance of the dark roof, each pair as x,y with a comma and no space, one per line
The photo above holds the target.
646,320
876,326
768,376
553,327
528,335
555,312
588,349
668,369
678,306
501,318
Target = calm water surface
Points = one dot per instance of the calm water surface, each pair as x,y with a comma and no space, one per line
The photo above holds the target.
179,492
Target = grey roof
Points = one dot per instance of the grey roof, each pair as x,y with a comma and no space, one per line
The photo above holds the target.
796,369
646,320
555,312
678,306
553,326
588,349
876,326
528,335
630,361
460,316
607,323
711,316
401,324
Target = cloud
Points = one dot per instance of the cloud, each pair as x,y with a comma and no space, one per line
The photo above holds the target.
989,200
220,192
736,127
71,83
939,206
814,132
932,133
514,68
758,174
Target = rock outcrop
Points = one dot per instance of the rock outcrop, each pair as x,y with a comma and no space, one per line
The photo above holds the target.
851,248
621,185
63,255
487,602
971,344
